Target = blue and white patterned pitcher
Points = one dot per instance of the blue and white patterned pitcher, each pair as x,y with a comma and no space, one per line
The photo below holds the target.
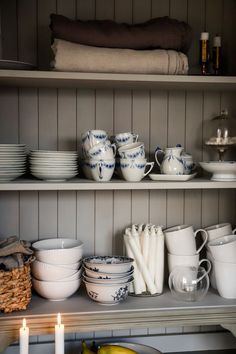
172,163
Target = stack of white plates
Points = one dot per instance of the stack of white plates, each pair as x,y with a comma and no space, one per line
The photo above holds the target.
53,165
12,161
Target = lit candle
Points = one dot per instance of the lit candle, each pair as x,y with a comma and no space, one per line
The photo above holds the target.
59,336
24,338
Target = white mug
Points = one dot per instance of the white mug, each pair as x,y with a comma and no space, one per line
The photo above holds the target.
134,170
180,240
103,151
132,151
225,279
223,249
212,272
218,230
191,261
125,138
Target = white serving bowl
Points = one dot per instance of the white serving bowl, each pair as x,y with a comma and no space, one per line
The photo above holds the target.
56,291
75,276
221,170
109,264
58,251
57,243
107,294
74,266
101,275
50,272
108,281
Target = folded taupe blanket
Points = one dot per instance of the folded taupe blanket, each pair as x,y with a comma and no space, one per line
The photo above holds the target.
161,32
77,57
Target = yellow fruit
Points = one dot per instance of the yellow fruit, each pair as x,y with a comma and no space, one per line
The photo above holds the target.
115,349
85,349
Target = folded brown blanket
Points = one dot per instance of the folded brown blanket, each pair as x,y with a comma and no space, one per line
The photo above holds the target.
14,253
162,32
78,57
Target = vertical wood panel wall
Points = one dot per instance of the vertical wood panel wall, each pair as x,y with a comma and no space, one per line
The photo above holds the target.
55,119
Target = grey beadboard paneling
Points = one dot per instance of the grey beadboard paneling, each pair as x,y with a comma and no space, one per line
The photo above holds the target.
54,119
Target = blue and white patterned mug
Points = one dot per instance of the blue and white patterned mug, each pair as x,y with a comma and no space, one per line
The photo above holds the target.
133,170
93,137
132,151
125,138
103,151
100,171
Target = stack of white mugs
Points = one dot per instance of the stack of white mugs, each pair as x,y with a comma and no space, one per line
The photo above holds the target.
98,155
182,250
221,251
131,162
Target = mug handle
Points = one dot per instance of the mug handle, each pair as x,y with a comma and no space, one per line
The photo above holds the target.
158,150
114,149
204,242
135,137
151,164
208,263
234,232
99,168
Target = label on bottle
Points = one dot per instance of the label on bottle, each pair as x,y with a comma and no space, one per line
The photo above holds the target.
204,52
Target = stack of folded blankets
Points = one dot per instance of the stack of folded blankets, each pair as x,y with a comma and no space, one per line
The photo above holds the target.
158,46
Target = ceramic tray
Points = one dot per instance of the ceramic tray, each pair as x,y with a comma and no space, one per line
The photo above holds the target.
162,177
139,348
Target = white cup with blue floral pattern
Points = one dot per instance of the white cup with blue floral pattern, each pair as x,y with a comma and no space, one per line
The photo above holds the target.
132,151
125,138
103,151
134,170
100,170
93,137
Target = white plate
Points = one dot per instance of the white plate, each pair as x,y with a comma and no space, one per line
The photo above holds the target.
221,170
53,170
15,65
139,348
160,177
54,177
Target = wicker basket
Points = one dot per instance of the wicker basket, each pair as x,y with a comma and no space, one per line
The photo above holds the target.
15,288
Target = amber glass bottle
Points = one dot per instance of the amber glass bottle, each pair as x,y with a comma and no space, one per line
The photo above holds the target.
204,52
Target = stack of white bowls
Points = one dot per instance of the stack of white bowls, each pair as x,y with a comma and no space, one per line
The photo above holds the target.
57,268
12,161
53,165
107,278
98,155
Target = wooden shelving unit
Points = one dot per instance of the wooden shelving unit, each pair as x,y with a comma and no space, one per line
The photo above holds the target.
114,184
21,78
80,314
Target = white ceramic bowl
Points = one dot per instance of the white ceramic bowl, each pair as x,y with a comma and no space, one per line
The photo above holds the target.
107,294
50,272
109,264
58,251
101,275
108,281
225,279
57,243
56,291
221,170
75,276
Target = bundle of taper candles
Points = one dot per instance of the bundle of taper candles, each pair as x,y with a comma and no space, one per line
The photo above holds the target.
145,244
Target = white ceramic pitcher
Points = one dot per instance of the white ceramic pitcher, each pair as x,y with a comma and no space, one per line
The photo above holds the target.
172,163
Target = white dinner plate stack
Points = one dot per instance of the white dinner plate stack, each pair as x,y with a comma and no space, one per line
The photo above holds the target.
12,161
53,165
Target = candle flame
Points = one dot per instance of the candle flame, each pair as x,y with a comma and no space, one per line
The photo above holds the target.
24,323
59,319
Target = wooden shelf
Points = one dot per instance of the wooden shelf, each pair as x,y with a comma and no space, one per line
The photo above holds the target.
114,184
21,78
80,314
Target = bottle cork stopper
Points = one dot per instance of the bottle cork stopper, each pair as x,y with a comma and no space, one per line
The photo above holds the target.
217,41
204,36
